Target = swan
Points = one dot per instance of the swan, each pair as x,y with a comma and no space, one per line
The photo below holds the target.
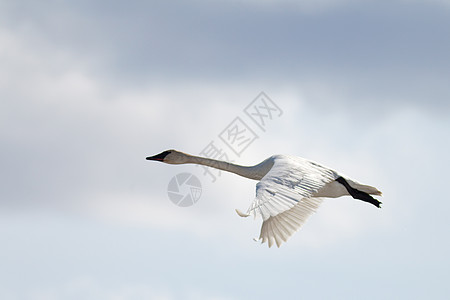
289,190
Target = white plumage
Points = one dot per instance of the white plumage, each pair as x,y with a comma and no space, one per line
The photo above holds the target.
289,191
284,196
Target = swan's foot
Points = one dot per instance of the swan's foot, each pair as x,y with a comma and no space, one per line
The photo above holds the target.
241,214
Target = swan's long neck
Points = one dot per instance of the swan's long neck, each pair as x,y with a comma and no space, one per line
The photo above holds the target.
253,172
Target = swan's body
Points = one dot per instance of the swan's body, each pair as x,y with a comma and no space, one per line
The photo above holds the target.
289,190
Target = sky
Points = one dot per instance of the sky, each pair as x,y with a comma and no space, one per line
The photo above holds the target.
88,89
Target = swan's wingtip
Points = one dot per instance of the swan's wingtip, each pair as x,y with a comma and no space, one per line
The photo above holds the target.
241,214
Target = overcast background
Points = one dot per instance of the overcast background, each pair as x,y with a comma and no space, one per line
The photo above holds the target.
88,89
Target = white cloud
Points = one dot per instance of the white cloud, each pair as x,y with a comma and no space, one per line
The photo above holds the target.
103,130
89,288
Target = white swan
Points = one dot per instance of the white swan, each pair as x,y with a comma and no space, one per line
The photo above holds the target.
289,190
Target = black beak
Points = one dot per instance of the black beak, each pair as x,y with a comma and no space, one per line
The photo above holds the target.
158,157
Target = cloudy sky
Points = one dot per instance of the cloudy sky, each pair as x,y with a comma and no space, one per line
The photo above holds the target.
88,89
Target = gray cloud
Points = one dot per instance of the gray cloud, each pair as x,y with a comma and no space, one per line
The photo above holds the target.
388,53
89,88
66,62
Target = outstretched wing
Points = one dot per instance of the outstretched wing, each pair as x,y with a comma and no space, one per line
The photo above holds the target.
284,196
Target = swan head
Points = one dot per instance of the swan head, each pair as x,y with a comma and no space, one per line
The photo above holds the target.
173,157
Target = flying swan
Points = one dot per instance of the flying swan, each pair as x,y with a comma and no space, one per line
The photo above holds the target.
289,190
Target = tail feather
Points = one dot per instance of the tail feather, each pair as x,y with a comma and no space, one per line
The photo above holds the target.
364,188
361,192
